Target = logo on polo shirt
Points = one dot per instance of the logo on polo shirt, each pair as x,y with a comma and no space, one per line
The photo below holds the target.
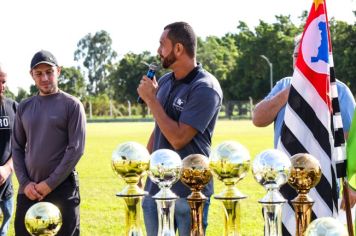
178,104
4,122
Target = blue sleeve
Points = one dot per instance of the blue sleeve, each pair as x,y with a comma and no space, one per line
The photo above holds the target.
203,105
347,105
280,85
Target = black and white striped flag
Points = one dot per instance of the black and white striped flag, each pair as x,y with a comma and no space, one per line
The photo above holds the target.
309,125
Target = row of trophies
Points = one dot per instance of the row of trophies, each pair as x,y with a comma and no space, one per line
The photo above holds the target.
229,162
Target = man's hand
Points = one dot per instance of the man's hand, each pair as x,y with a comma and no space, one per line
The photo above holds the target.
352,197
43,189
147,88
5,171
31,192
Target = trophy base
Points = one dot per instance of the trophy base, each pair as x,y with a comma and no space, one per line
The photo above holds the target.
273,197
132,191
166,194
230,194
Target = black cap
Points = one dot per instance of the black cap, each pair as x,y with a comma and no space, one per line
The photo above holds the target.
43,57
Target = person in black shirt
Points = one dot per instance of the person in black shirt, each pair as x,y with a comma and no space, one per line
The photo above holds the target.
7,115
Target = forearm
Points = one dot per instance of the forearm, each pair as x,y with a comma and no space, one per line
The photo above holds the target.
172,130
150,143
18,159
266,111
65,167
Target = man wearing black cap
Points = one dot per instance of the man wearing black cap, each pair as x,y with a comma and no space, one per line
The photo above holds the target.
48,141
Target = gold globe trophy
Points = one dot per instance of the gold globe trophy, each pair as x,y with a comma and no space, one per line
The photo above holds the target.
43,219
130,161
305,174
230,161
196,175
271,169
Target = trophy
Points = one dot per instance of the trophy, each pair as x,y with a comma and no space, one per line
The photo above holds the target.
43,219
271,169
1,217
326,226
130,161
196,175
230,162
305,174
165,170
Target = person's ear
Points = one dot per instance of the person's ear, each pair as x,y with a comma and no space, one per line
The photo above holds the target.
59,69
179,49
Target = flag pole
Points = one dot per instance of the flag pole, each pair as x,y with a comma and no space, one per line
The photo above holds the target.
347,207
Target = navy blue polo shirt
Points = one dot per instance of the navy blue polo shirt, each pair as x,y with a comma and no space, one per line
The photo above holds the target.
195,101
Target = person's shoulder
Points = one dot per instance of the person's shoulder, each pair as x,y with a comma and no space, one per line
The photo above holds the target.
9,101
68,97
285,81
164,78
341,85
205,79
27,100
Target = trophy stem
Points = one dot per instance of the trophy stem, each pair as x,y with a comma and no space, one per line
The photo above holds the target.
132,216
272,214
196,214
232,217
165,210
302,206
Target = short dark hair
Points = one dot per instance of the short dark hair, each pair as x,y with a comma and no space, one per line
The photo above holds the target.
182,32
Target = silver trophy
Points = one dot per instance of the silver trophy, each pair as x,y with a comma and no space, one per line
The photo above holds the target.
165,169
230,162
271,168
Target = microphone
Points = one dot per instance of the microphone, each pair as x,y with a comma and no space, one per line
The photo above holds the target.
150,74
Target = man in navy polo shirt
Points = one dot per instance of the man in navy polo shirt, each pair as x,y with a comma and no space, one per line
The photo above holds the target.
185,104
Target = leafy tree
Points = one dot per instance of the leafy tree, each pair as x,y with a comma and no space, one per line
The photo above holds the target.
71,81
33,90
344,52
21,94
97,55
217,55
126,76
9,94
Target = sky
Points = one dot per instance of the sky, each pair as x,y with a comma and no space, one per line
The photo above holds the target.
28,26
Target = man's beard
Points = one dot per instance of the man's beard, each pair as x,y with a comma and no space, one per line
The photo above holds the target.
168,60
2,98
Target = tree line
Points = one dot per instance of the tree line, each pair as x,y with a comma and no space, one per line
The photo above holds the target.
106,84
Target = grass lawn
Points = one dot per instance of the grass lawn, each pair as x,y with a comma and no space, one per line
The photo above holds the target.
102,213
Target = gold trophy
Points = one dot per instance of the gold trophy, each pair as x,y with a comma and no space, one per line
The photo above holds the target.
271,169
1,217
196,175
130,161
230,161
43,219
305,174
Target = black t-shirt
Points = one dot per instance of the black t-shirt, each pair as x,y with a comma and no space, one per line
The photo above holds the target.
7,116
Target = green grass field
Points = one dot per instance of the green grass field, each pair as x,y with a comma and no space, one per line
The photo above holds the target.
102,213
